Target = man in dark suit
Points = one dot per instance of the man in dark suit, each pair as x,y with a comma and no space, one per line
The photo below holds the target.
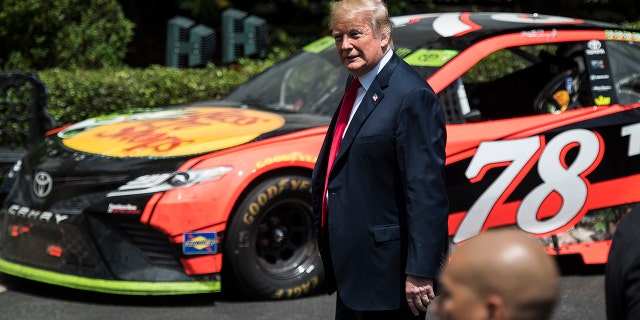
379,197
622,273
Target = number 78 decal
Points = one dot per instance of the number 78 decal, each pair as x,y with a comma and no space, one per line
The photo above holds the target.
559,178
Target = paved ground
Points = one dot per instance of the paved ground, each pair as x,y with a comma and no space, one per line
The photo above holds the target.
582,299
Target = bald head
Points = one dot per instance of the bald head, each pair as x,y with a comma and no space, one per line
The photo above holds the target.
507,272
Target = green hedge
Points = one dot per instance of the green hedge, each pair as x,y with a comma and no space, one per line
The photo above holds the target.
83,34
75,95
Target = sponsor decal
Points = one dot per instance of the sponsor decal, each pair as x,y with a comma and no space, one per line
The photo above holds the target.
289,157
33,214
597,64
622,35
170,133
297,291
598,72
430,58
594,47
248,217
123,208
601,88
320,45
602,101
200,243
599,76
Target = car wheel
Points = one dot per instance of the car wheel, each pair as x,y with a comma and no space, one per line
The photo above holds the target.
269,248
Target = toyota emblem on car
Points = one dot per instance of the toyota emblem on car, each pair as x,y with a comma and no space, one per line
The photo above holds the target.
42,184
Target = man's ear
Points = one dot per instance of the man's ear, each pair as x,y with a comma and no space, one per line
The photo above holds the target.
385,39
496,307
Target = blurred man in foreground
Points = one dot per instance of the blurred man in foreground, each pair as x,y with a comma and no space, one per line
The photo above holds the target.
622,274
501,274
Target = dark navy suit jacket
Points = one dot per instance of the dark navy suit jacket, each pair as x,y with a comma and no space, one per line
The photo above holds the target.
388,206
622,273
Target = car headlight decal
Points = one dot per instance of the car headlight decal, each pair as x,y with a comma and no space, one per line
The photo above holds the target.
160,182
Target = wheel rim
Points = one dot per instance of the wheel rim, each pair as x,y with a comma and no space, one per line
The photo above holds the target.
284,246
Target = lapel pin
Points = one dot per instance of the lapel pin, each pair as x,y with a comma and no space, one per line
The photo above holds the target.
375,97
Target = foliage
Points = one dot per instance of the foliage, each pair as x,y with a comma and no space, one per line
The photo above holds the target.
293,23
205,11
602,219
41,34
75,95
632,25
208,9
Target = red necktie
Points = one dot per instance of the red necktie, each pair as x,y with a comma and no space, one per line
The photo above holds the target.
341,124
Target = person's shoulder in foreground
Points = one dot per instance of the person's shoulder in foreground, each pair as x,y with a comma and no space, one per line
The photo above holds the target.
499,274
622,273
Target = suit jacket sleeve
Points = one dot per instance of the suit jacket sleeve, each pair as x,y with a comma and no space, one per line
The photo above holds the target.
420,150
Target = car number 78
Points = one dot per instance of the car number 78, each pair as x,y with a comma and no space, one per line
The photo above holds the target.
518,156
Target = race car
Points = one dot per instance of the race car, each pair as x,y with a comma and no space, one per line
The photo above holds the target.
543,129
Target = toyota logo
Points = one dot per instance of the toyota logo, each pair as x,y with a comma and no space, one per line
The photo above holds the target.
42,184
594,45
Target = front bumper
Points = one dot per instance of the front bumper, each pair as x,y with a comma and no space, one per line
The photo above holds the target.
119,256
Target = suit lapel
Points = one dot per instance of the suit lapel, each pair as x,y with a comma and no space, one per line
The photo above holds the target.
371,100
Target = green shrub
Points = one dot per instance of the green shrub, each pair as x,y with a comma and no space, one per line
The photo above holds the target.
41,34
75,95
632,25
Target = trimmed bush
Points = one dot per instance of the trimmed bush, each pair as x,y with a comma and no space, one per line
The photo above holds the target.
42,34
75,95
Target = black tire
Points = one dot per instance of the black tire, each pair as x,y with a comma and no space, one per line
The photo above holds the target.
269,248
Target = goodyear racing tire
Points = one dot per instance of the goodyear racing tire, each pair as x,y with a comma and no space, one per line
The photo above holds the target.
269,248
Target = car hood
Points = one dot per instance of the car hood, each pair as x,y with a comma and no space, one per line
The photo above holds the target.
180,131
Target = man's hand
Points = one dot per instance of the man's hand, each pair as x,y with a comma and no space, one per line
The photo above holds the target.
419,293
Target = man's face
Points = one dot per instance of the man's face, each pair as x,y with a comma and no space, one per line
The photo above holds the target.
458,301
359,48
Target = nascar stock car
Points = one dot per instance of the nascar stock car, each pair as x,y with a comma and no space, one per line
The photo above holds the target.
543,129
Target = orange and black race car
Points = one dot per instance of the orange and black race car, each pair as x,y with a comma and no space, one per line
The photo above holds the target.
543,135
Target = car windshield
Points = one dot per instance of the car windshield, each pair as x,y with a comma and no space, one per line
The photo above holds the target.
304,83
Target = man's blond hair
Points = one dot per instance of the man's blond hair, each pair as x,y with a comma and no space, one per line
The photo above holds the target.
374,10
